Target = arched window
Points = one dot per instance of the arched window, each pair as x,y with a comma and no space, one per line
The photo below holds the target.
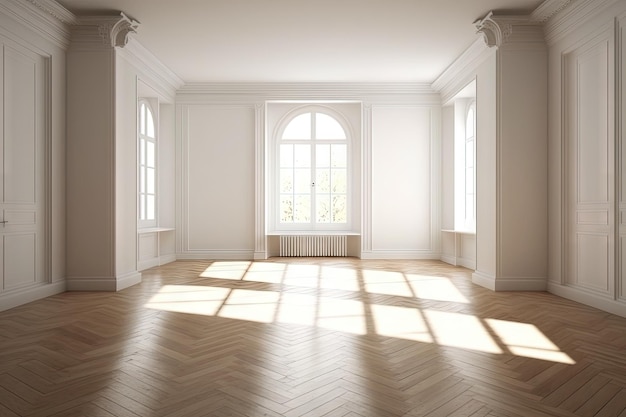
470,170
313,173
147,165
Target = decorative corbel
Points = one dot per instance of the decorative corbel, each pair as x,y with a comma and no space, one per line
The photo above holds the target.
494,33
121,30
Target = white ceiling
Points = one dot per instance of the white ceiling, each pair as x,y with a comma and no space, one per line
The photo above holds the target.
305,40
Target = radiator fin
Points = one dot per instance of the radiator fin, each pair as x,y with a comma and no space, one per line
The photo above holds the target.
313,245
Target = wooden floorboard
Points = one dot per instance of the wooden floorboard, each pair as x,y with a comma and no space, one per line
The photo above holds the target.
310,337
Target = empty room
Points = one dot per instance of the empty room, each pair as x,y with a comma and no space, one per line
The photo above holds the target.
325,208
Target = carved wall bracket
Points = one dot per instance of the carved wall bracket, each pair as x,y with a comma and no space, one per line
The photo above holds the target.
499,30
104,31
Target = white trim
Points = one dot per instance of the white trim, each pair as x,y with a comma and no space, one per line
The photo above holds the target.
110,284
400,254
398,93
127,280
574,15
156,261
462,71
11,300
45,17
509,284
240,255
152,70
603,303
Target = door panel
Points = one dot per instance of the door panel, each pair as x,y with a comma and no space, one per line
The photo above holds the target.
22,181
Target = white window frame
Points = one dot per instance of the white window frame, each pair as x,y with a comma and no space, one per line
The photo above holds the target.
470,221
141,167
274,171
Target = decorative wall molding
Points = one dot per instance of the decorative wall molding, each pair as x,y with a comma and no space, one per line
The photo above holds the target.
17,298
573,16
260,240
103,31
509,284
230,255
500,30
153,71
549,8
45,17
462,71
55,10
419,93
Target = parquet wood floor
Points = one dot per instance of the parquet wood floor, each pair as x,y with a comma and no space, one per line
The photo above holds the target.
310,337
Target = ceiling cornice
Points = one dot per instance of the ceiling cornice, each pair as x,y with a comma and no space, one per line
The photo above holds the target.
45,17
262,91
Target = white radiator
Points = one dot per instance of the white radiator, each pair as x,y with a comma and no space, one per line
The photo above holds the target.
328,245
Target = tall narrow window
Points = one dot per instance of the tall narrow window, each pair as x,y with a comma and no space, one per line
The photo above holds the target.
313,180
147,165
470,171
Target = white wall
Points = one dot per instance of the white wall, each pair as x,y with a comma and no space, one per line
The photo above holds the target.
586,187
221,131
404,151
218,178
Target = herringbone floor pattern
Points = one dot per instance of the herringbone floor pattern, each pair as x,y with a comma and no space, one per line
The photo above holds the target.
313,337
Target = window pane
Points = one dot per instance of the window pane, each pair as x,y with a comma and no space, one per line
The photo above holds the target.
322,156
469,181
339,156
142,119
302,212
142,180
302,156
469,154
322,183
302,181
286,209
150,207
339,181
150,124
469,124
299,127
142,151
151,181
286,156
469,207
142,207
150,154
322,209
286,180
327,127
339,209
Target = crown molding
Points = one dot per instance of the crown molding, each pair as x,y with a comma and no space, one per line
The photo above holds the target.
103,32
393,92
462,71
549,8
47,18
573,15
160,77
55,10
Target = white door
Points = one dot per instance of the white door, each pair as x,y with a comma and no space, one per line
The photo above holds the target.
22,188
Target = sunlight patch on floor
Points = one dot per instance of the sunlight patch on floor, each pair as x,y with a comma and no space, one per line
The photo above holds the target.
460,330
435,288
350,313
386,282
524,339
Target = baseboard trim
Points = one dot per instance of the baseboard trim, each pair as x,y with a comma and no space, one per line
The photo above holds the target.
609,305
15,299
453,260
509,284
385,254
259,256
111,284
231,255
166,259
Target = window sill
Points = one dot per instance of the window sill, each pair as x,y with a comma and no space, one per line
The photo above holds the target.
154,230
458,232
313,233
